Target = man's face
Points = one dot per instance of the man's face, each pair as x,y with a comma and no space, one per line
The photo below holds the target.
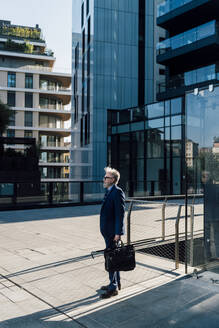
108,180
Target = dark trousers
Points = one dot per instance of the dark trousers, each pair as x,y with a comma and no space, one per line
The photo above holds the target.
114,276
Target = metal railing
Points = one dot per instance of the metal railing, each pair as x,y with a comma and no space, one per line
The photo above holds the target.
187,37
43,194
162,225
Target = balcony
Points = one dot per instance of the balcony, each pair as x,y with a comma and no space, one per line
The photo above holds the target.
180,14
193,42
170,5
180,83
58,164
26,48
57,108
59,103
56,89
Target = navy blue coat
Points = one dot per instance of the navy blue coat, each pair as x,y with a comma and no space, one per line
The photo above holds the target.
112,214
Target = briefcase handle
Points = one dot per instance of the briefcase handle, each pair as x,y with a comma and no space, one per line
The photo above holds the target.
119,243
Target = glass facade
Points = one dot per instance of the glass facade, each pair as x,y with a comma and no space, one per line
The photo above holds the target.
169,5
202,158
148,144
172,148
189,78
145,144
203,134
188,37
110,67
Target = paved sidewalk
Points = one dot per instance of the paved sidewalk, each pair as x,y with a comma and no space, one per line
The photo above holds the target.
48,279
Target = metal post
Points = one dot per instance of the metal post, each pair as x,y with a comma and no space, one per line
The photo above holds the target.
81,192
163,218
14,198
191,234
129,224
177,238
50,196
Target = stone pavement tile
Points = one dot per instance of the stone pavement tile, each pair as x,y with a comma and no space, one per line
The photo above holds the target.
5,283
60,321
15,294
9,310
32,305
91,323
210,304
115,318
188,318
119,312
26,321
33,274
73,264
51,298
202,320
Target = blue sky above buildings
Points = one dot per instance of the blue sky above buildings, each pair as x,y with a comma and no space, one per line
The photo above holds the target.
54,18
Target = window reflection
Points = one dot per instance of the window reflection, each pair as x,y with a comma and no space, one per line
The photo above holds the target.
187,37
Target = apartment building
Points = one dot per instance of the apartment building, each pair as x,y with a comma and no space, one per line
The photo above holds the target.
40,98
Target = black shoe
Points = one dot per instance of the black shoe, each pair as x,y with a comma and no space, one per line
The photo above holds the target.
104,287
109,294
107,287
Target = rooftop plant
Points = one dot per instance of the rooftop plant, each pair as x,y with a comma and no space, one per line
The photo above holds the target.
24,32
26,48
21,47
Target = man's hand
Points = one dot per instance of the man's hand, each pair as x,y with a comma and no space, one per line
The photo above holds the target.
116,238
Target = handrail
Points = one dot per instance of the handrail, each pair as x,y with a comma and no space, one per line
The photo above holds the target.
191,233
177,238
129,224
163,218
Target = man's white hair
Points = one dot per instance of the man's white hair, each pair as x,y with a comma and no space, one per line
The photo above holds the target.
113,172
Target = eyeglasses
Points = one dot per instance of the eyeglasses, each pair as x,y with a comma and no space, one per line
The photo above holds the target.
107,178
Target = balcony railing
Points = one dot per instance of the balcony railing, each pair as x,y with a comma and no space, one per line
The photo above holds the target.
52,144
56,107
55,88
169,5
188,37
55,161
207,73
57,126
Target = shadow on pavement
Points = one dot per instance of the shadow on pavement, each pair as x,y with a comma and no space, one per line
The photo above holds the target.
49,213
181,303
49,265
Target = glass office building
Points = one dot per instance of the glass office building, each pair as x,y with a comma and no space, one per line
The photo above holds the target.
113,67
172,147
154,146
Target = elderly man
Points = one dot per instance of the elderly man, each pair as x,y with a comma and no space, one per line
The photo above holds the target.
112,222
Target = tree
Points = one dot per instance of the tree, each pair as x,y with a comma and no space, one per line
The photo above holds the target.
5,113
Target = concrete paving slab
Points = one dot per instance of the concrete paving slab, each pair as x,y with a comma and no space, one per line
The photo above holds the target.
46,253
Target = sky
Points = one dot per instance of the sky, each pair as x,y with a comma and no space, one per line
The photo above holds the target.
55,20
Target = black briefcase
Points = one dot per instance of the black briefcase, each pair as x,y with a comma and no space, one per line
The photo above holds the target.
120,258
